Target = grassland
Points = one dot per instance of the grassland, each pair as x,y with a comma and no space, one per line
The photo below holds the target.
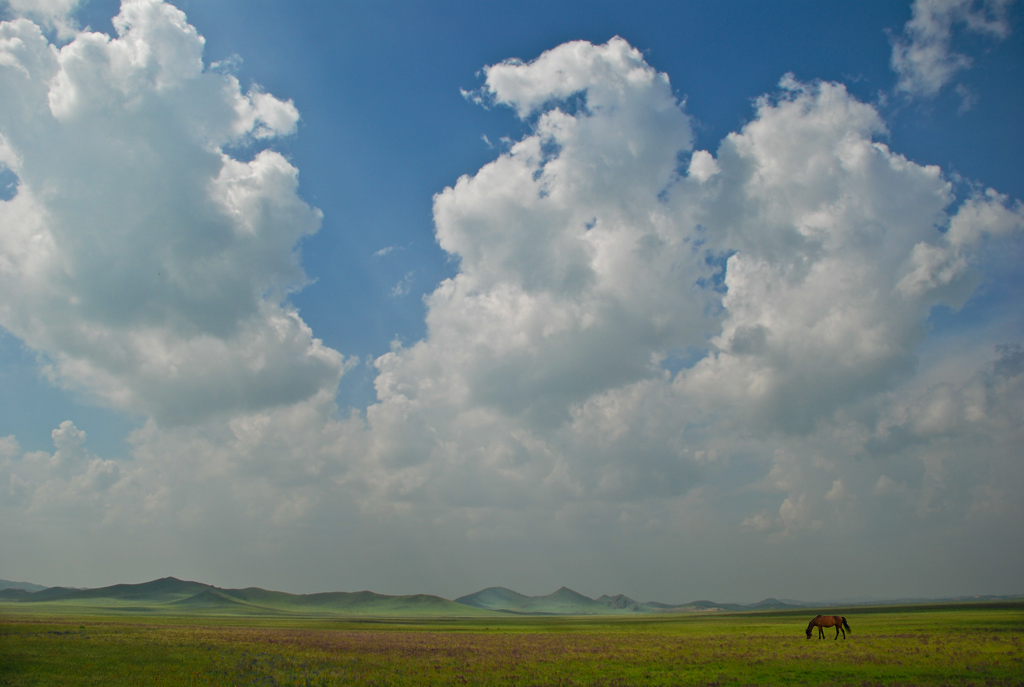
941,645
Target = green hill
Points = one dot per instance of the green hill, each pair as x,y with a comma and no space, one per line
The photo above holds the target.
771,604
347,603
164,590
51,593
697,607
565,601
212,601
171,595
568,602
495,599
26,586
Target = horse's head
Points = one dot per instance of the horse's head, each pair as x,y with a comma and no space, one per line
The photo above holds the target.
808,633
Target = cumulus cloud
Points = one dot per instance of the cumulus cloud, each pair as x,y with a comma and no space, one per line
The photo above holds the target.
565,248
643,344
923,55
949,452
51,14
149,266
839,250
574,279
70,482
801,262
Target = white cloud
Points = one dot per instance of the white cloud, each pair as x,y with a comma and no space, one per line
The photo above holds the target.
51,14
149,266
574,280
645,348
840,249
563,241
837,492
540,378
703,166
70,482
402,287
923,55
264,116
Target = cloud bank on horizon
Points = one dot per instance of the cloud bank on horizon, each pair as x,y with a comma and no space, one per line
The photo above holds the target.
647,352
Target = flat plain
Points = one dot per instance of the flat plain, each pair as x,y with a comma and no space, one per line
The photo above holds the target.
963,644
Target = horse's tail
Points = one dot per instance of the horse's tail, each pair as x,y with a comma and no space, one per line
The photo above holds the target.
846,625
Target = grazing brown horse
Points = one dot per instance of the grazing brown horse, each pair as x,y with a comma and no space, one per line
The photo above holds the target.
836,621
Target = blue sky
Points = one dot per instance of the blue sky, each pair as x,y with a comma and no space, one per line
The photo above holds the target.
759,292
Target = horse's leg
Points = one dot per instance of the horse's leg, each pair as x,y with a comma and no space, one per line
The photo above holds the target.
837,633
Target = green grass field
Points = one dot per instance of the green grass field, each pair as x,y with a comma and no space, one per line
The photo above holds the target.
941,645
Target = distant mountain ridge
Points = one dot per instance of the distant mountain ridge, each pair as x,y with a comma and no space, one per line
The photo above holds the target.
171,595
26,586
568,602
564,601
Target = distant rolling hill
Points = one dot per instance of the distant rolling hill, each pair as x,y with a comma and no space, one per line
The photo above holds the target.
772,605
702,606
25,586
562,602
567,602
171,595
622,602
495,599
